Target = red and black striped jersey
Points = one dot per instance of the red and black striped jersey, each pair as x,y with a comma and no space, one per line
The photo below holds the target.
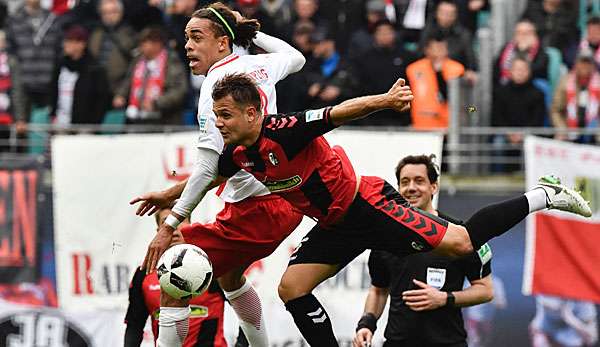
292,159
206,318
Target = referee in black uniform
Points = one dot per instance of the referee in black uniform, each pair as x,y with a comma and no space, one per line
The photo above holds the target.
426,290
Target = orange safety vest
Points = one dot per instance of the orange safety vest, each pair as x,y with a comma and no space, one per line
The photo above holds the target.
427,111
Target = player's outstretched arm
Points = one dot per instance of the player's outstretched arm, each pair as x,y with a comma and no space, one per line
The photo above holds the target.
154,201
397,98
200,181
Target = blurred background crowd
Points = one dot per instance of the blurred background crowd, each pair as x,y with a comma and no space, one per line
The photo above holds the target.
98,62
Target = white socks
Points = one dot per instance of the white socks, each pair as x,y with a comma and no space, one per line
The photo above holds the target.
537,199
173,326
246,304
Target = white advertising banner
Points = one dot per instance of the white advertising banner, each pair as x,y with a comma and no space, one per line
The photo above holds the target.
99,240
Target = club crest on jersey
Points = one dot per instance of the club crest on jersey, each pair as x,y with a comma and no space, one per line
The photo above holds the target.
273,159
282,185
313,115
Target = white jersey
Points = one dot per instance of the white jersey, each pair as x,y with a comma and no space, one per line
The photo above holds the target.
266,69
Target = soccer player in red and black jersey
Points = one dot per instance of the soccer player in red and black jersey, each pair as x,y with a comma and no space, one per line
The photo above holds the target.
206,317
288,154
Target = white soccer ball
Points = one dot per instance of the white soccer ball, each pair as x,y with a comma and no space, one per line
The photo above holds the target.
184,271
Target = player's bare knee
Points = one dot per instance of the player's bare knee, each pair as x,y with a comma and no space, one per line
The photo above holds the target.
463,248
287,290
489,295
456,242
462,242
231,281
467,245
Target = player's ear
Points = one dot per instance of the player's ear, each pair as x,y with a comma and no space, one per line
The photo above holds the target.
435,188
223,43
252,113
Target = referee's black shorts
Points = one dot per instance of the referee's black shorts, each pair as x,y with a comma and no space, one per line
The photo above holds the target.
378,218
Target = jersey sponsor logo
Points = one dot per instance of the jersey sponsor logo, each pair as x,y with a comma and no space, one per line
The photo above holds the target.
436,277
259,75
198,311
313,115
282,185
273,159
154,287
203,123
485,253
247,163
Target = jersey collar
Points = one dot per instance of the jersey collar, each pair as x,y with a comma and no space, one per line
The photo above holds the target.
228,59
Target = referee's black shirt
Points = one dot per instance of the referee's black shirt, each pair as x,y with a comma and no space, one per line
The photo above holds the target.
426,328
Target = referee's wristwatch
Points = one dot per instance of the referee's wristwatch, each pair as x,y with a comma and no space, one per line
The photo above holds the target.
450,299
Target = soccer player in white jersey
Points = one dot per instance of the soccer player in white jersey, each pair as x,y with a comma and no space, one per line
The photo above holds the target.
253,222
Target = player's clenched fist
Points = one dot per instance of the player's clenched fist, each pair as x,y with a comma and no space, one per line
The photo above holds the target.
400,96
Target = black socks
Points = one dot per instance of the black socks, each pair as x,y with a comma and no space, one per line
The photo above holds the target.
312,321
494,220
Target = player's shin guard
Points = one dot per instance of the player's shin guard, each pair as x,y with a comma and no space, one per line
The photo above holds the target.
246,304
494,220
173,326
312,321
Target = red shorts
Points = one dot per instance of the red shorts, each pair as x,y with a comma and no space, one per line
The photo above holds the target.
244,232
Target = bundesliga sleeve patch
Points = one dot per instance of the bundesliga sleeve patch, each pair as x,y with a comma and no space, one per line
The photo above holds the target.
203,124
313,115
485,253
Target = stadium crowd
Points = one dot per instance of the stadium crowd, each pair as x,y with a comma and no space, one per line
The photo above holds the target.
103,61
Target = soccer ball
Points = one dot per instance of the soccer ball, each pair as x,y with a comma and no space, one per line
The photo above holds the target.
184,271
